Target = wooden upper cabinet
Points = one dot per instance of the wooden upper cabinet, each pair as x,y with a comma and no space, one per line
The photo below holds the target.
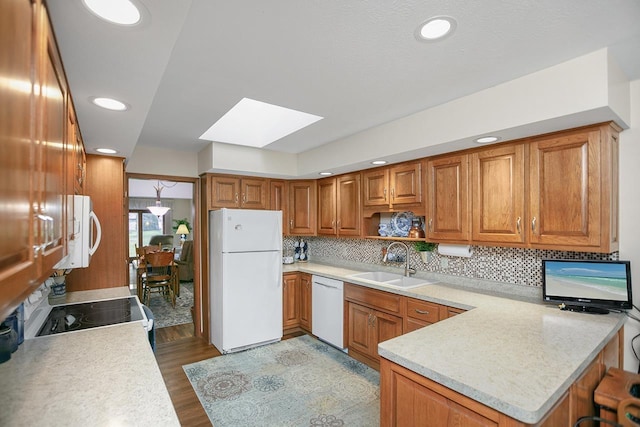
573,188
76,157
327,194
302,207
51,116
394,185
18,270
237,192
498,199
278,201
348,206
448,203
339,208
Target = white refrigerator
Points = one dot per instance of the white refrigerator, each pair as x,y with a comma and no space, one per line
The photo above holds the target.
245,279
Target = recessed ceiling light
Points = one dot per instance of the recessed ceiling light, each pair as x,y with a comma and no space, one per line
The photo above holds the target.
486,139
436,28
326,173
106,150
122,12
110,104
379,162
256,124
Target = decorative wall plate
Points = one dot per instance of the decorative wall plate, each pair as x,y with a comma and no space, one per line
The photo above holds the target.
401,223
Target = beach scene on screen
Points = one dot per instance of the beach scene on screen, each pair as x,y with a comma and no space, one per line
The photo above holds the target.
601,281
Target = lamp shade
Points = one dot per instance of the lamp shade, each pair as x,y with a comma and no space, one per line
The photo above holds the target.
158,210
182,229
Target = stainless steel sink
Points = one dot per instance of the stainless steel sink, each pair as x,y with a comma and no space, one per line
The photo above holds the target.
391,279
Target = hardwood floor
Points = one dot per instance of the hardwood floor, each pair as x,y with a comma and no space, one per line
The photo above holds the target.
177,346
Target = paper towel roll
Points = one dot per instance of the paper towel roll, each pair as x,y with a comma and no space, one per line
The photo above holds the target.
455,250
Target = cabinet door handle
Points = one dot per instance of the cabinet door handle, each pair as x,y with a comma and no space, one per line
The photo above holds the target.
533,225
384,193
422,311
430,224
393,193
290,224
338,223
518,225
236,197
244,198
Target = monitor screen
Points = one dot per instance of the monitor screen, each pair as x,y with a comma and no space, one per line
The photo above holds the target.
581,284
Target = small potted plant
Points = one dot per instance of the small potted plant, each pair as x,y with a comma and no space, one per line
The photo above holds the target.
425,249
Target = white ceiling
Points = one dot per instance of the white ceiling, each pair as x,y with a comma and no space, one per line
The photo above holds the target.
356,63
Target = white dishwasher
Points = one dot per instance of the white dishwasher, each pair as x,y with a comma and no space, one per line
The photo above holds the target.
327,306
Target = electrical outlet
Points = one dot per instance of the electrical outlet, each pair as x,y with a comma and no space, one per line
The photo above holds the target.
444,262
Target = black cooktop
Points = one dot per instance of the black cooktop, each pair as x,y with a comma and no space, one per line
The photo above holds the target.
74,317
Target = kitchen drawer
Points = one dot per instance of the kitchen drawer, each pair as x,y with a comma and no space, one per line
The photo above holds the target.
373,298
423,310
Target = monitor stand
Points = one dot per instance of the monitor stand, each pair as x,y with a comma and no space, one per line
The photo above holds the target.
584,309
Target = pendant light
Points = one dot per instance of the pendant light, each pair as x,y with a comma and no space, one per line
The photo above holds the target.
158,210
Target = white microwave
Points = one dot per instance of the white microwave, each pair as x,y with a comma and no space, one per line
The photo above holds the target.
83,242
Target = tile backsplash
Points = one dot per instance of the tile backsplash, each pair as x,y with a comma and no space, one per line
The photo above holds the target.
510,265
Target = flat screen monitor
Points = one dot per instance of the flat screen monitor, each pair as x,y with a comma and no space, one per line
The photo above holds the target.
585,285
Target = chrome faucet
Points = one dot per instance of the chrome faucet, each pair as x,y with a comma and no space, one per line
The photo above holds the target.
407,270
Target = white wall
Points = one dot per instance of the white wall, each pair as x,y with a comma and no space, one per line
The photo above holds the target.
630,215
159,161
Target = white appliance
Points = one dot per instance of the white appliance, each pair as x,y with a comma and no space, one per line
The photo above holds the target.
245,283
327,306
83,243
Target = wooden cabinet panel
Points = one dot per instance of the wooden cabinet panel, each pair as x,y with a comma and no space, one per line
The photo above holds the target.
237,192
367,324
406,183
408,401
385,327
423,313
278,201
339,212
224,192
51,117
327,206
253,193
565,190
393,185
498,209
302,208
573,190
359,329
375,184
379,300
290,301
348,207
106,185
448,199
18,268
305,301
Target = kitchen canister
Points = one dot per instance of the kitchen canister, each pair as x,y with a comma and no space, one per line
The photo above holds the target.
8,342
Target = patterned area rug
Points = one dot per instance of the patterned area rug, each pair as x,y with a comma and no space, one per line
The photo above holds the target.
165,314
296,382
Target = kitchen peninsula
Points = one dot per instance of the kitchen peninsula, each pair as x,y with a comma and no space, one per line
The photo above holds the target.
511,356
104,376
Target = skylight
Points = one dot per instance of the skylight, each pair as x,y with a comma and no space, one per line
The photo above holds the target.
256,124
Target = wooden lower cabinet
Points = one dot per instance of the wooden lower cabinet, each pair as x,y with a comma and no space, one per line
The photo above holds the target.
296,302
290,301
367,328
408,399
305,301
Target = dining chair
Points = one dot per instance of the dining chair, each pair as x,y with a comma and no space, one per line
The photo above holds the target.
160,276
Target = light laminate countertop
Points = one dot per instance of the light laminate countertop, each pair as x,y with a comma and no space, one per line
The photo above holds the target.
96,377
515,355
